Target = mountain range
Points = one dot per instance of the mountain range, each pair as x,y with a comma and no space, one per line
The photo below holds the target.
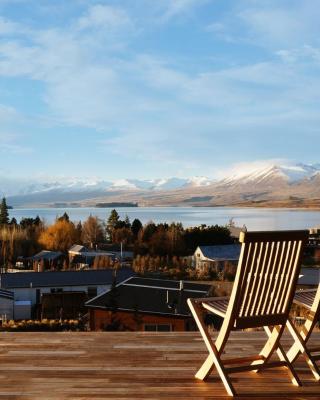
280,185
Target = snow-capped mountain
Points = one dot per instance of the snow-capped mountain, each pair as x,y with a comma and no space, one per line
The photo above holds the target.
79,188
255,183
290,173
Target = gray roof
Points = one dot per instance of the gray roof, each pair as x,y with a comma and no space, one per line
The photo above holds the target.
63,278
149,296
221,252
78,248
47,255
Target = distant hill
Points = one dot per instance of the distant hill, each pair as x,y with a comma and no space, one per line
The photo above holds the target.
294,185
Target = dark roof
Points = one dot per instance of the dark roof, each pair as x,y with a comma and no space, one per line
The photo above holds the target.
150,296
47,255
6,294
167,284
63,278
309,277
222,252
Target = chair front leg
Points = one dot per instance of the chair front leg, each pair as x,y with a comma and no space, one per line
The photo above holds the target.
283,357
305,332
300,346
213,359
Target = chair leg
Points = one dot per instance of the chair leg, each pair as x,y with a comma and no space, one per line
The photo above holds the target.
213,359
300,346
271,344
283,357
305,332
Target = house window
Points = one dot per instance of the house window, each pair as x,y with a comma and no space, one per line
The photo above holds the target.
158,327
92,292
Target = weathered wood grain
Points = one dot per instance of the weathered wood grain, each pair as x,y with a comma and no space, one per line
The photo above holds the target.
135,365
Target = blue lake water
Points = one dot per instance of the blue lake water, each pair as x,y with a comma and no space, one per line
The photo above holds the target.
253,218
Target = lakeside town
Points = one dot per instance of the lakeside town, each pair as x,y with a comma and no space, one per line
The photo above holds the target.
116,274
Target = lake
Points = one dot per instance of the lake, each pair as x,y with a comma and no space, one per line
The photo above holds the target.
253,218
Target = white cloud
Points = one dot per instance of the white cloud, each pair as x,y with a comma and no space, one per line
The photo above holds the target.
304,54
8,27
177,7
10,143
269,23
105,17
15,148
8,114
273,25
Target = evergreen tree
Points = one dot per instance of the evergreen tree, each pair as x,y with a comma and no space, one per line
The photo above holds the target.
127,223
4,214
136,226
37,221
64,217
112,222
79,231
13,221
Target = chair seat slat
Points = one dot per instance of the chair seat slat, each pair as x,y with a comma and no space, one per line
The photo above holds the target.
305,298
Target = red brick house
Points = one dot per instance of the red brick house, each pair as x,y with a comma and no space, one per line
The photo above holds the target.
143,304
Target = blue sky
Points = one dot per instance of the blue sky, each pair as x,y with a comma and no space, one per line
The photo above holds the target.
150,89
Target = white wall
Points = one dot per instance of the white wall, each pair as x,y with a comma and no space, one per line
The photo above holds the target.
22,294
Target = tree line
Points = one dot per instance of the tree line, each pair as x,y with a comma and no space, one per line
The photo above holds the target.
159,241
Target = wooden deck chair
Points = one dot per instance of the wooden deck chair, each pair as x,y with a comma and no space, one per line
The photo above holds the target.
310,300
262,294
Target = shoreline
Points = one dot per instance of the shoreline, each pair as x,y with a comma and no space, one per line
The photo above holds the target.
240,206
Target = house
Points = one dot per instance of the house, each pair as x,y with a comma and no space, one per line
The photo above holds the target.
82,256
77,249
214,257
41,261
47,260
29,287
143,304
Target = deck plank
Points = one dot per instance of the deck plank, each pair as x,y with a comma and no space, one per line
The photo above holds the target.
134,365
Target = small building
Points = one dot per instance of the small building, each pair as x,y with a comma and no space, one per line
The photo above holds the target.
82,256
214,257
77,249
143,304
31,286
47,260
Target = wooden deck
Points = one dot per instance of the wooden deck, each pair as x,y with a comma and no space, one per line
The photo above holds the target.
133,366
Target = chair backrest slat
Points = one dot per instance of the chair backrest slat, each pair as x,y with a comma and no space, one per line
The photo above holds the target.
275,254
252,257
288,282
266,277
259,280
282,276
